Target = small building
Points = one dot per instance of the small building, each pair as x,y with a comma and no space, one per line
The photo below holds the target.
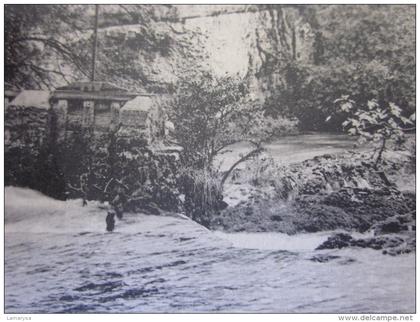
99,106
88,105
105,107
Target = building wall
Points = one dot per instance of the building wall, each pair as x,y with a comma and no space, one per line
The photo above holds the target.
103,116
26,126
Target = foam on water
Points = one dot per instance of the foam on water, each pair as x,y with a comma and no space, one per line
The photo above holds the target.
32,212
60,259
275,241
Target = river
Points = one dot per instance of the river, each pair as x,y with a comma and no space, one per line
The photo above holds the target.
59,259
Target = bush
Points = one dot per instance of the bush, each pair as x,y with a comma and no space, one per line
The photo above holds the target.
121,171
203,194
209,115
375,122
36,169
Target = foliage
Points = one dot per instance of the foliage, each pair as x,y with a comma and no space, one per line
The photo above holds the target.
203,194
51,45
36,168
366,52
296,96
146,177
382,40
39,41
375,122
121,171
209,115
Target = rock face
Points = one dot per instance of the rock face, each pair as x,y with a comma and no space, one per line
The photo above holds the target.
323,194
244,42
235,40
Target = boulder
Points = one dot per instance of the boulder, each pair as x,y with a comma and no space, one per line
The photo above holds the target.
392,225
339,240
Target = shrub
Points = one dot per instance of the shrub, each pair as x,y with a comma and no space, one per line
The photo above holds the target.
209,115
377,123
35,168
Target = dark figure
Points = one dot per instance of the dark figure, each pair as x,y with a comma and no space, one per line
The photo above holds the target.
110,221
118,202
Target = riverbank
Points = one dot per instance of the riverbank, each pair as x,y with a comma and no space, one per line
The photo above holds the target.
329,192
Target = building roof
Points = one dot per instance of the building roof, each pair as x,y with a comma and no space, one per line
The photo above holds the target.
92,87
32,98
93,91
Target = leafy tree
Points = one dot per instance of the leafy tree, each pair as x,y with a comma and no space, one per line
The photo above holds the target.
35,167
51,45
76,157
374,122
366,52
121,171
211,114
296,96
40,44
375,44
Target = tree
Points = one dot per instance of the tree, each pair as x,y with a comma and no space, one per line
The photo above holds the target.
377,44
51,45
366,52
374,122
211,114
41,43
76,157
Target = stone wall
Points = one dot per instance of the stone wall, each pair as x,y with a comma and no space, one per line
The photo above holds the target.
74,115
142,116
25,126
27,120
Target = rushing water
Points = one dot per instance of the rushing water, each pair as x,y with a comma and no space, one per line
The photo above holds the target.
60,259
295,148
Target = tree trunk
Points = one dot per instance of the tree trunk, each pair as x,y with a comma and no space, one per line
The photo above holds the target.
243,159
381,150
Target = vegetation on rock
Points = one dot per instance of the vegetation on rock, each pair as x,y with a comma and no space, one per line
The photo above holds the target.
376,123
210,115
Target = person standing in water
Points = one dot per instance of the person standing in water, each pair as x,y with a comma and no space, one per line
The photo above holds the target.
110,221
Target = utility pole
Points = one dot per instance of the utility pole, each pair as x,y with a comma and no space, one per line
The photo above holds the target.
95,44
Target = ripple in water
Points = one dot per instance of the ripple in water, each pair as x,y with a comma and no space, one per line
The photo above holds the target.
64,261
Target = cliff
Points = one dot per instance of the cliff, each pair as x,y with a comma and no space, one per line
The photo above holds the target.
235,40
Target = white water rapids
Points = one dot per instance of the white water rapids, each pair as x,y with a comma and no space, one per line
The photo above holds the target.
60,259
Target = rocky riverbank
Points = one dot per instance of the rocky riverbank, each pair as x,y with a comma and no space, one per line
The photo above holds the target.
330,192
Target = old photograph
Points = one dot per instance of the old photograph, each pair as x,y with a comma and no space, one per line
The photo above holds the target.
209,158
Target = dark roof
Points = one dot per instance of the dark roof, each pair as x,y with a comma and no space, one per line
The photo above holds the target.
93,91
92,87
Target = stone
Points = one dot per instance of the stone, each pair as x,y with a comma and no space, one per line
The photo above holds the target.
389,226
339,240
323,258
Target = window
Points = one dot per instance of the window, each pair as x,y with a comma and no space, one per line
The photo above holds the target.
103,115
74,106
